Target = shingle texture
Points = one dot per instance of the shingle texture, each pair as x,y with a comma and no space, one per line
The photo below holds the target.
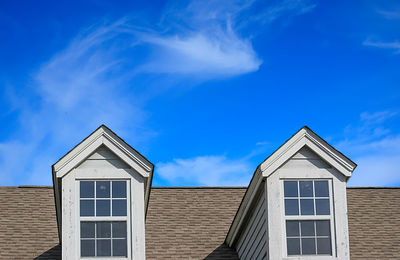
374,223
28,226
191,223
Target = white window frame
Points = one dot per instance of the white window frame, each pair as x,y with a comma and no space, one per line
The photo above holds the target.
300,217
126,218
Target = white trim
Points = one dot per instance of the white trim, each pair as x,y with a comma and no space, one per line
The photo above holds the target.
330,217
103,136
126,218
302,138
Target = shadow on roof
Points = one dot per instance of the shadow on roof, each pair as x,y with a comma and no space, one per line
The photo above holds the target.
223,252
53,253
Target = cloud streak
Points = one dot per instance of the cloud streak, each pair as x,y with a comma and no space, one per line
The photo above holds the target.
374,148
215,170
394,45
94,80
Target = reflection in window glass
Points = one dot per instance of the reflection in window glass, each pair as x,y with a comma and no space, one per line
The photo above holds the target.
102,189
306,188
96,198
103,199
313,197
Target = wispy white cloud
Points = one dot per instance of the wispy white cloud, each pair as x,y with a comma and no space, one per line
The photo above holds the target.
202,55
75,91
214,37
389,14
93,80
215,170
212,170
394,45
375,148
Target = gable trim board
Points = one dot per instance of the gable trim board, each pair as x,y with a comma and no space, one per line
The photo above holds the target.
305,137
87,152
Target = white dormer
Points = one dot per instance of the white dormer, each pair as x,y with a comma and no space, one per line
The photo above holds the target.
295,206
102,189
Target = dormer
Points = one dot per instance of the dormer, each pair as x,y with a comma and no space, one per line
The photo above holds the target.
295,206
102,189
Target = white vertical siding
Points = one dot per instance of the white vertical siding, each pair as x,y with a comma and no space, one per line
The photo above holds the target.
252,243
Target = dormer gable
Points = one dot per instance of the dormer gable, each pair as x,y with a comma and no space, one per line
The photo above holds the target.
301,184
102,184
306,138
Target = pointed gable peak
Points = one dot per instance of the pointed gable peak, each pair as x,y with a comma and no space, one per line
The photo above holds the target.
305,137
103,136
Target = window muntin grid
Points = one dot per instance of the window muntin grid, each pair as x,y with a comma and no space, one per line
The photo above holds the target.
102,203
103,198
308,237
103,238
306,197
318,194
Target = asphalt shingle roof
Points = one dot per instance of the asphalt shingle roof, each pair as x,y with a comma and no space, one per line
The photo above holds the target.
191,223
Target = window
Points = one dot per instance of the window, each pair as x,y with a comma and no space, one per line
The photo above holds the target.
308,217
103,219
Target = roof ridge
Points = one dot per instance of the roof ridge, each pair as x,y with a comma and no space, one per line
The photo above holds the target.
35,186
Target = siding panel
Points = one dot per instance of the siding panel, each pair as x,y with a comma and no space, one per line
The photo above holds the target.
252,243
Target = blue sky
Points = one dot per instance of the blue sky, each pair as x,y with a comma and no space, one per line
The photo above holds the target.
206,90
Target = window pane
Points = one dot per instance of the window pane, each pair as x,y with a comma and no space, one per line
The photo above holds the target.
87,229
119,208
308,246
103,230
290,188
306,188
323,228
307,206
292,228
321,189
104,247
102,207
324,246
322,206
293,246
291,207
119,247
119,189
87,189
87,248
102,189
307,228
119,229
87,208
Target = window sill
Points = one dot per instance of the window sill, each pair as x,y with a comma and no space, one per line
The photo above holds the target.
104,258
312,257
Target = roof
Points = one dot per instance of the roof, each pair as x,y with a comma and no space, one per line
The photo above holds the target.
374,223
28,225
191,223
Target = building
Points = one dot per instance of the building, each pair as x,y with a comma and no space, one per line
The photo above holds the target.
103,206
